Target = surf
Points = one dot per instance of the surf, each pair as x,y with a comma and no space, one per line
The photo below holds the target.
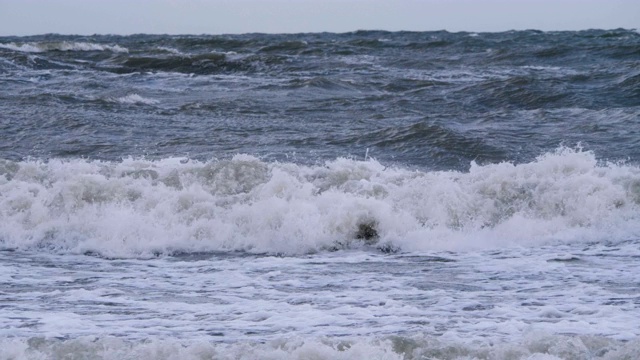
138,207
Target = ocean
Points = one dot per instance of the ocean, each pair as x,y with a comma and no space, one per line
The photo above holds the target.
365,195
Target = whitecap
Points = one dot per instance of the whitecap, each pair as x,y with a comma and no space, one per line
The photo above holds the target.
139,207
135,99
35,47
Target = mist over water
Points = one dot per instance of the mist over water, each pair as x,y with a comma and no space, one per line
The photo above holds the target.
372,194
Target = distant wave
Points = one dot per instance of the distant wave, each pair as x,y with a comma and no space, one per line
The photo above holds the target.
141,207
170,50
134,99
36,47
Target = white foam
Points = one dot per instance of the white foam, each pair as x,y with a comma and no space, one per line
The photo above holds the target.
27,47
171,50
138,207
62,46
134,99
538,347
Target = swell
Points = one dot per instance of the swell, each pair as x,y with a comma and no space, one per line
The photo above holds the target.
443,145
196,64
522,92
512,48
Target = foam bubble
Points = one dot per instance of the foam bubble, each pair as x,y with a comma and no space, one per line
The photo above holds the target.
137,207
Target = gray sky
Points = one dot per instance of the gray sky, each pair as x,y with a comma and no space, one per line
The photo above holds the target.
29,17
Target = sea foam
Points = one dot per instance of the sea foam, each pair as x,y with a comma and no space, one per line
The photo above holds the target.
133,99
534,346
62,46
141,207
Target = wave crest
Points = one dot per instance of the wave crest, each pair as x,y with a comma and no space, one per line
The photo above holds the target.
62,46
133,99
140,207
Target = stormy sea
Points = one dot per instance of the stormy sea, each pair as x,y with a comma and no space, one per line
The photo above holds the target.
364,195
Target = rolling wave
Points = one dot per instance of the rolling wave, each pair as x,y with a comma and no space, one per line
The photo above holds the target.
37,47
141,208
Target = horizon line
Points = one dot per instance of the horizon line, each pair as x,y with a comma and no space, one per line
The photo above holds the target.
319,32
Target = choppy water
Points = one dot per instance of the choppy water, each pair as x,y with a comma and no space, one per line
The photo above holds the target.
365,195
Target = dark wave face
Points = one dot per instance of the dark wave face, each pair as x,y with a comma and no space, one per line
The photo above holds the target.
431,100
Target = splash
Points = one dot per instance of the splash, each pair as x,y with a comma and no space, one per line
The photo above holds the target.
140,207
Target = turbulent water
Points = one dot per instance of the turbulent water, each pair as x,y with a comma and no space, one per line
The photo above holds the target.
368,195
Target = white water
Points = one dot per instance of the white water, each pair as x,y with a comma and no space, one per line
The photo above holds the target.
536,347
36,47
527,261
567,302
134,99
137,207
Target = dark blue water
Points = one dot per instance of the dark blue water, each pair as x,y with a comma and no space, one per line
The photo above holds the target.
432,100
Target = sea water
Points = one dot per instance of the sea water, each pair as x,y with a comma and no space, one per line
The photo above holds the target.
367,195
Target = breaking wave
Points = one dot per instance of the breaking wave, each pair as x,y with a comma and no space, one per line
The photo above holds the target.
140,207
134,99
36,47
535,346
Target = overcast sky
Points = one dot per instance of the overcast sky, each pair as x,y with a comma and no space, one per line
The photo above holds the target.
29,17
